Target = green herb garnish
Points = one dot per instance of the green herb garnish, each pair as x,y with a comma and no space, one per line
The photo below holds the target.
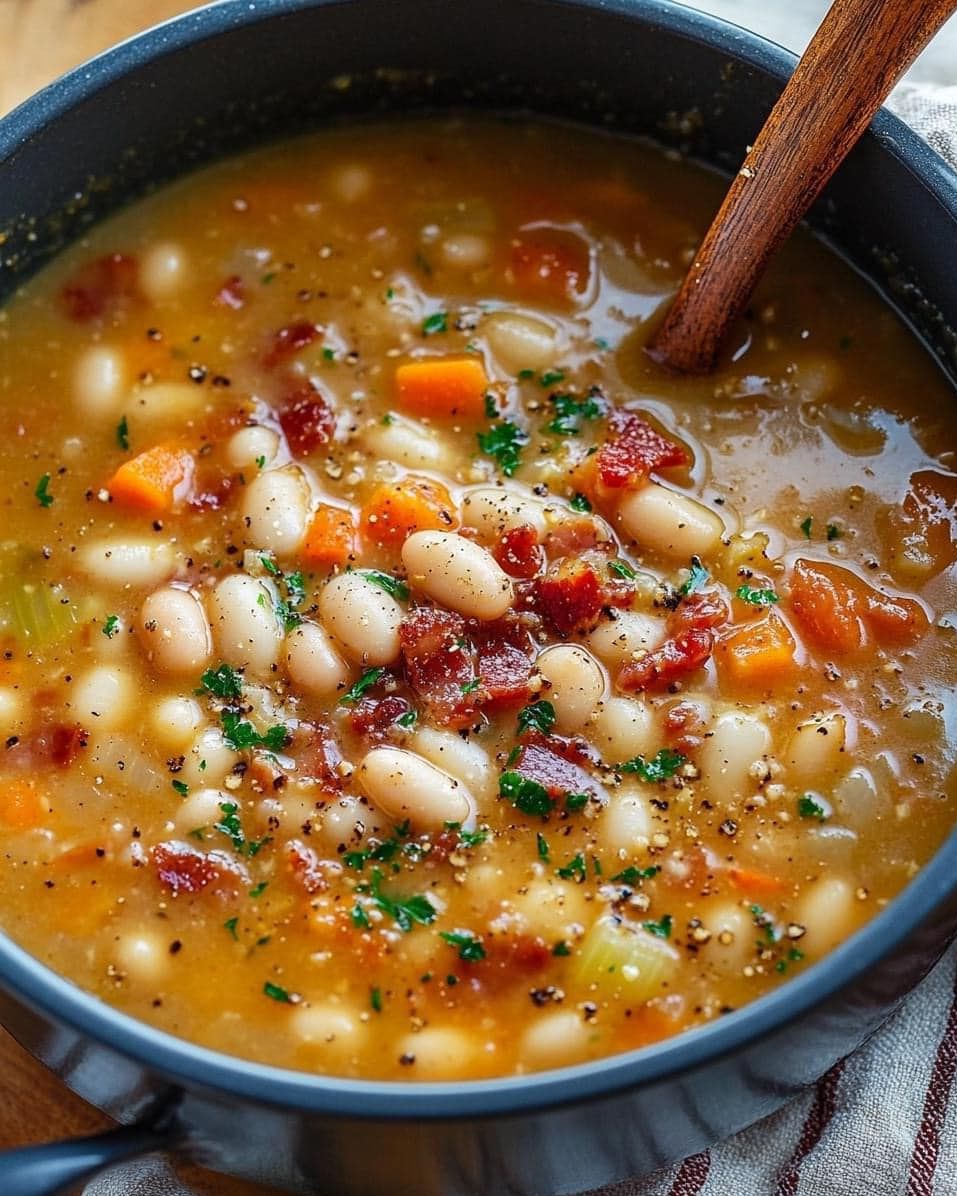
437,322
375,999
181,788
43,496
385,581
111,626
806,525
471,686
231,826
696,578
360,919
578,502
258,890
241,735
561,948
504,442
551,378
539,716
574,868
469,945
662,929
223,682
409,719
833,531
622,569
123,434
756,597
526,795
230,924
541,844
404,911
810,807
369,678
576,801
633,876
570,413
278,993
661,767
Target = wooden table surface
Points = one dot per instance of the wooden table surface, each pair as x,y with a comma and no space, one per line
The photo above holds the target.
41,39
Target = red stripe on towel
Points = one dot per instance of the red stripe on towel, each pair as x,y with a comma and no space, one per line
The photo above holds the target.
692,1175
816,1122
923,1163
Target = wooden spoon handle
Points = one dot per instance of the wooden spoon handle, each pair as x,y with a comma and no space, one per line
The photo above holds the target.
857,55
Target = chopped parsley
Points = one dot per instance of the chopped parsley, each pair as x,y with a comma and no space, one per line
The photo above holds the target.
181,788
574,869
576,801
756,597
469,945
261,462
833,531
385,581
622,569
43,495
471,686
383,853
375,999
123,434
561,948
230,924
525,794
329,354
794,956
111,626
409,719
491,406
765,923
578,502
503,443
551,378
295,592
437,322
806,525
360,919
241,735
542,844
539,716
570,414
404,911
223,682
369,678
810,807
697,576
468,838
524,375
661,767
231,826
661,929
278,993
258,890
633,876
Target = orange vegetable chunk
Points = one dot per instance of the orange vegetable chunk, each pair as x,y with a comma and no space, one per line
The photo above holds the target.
397,509
332,537
152,481
758,654
753,883
20,804
839,612
443,386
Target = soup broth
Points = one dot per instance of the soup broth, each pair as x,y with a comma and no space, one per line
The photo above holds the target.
401,677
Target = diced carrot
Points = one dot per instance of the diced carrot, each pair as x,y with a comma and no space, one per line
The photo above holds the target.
757,654
442,386
20,804
754,883
840,613
153,480
332,538
397,509
551,264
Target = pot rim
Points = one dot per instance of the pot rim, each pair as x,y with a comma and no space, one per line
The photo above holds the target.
198,1068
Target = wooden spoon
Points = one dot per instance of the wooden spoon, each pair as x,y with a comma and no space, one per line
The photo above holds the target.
855,58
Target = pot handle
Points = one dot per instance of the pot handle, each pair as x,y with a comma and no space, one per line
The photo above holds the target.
56,1167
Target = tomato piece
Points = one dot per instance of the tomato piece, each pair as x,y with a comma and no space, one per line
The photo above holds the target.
551,264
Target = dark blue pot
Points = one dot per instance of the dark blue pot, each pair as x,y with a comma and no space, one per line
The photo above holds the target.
220,79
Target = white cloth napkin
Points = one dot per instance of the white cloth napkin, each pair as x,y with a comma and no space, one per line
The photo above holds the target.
884,1122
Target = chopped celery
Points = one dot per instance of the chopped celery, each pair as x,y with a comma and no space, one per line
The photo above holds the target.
34,611
623,960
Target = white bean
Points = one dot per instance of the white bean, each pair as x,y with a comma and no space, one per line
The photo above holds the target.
161,407
520,342
250,446
575,684
104,698
624,728
462,758
11,710
361,618
626,637
816,750
313,663
732,930
98,381
465,251
406,442
174,631
162,270
554,1040
346,821
550,908
141,957
736,742
440,1052
492,510
127,562
276,509
245,626
175,720
201,810
670,523
626,825
828,912
405,786
458,574
334,1033
208,759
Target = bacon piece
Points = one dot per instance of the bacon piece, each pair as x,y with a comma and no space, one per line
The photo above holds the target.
511,959
232,293
317,755
186,869
374,718
100,287
570,597
518,552
634,450
685,725
307,420
211,491
66,743
440,665
557,775
287,341
700,611
673,661
551,263
504,664
572,537
306,866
